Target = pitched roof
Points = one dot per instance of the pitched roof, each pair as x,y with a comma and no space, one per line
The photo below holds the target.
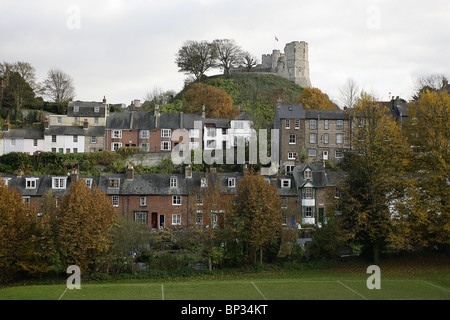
290,111
86,109
24,134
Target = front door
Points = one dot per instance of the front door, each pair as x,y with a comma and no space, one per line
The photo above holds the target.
321,215
161,221
154,220
325,155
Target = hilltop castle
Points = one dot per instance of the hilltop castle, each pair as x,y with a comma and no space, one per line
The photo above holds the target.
292,64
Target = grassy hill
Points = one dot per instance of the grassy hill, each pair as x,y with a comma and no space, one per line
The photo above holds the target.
256,92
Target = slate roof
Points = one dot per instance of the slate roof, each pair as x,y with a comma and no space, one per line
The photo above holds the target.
75,131
321,177
144,120
290,111
23,134
326,114
86,109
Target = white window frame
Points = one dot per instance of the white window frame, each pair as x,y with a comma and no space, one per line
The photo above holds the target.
166,133
203,183
144,134
285,183
116,134
114,183
312,124
143,201
339,138
231,182
116,146
166,145
30,183
194,133
96,109
325,124
288,123
144,146
326,138
312,138
115,201
292,139
174,182
292,155
88,182
284,202
309,212
176,219
339,124
59,182
297,124
26,200
76,109
176,200
312,153
141,216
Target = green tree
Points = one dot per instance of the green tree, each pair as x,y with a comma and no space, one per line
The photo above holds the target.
196,57
375,176
256,219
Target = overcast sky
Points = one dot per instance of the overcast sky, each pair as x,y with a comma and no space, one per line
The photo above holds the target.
122,49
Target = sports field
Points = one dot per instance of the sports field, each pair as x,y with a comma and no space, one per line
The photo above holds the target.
314,285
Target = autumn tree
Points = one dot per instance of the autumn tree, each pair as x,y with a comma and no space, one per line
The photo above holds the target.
315,99
427,205
375,176
17,227
218,104
255,216
85,222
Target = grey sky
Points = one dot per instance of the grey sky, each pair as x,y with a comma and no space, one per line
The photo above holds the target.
122,49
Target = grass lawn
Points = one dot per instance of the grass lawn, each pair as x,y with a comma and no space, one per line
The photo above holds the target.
399,281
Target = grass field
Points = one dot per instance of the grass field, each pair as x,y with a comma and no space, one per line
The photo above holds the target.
348,284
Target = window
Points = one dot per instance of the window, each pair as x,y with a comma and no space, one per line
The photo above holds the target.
176,219
26,200
58,183
292,139
96,120
339,154
312,152
284,202
292,155
35,142
140,216
143,201
166,133
96,109
75,138
203,182
199,199
93,139
308,174
288,123
53,138
144,146
238,125
308,212
30,183
58,120
211,132
211,144
285,183
199,217
54,150
284,220
117,134
312,124
340,124
88,183
75,150
325,124
308,193
6,180
325,138
231,182
173,182
13,142
312,138
176,200
75,119
194,133
166,145
339,138
76,108
116,146
113,183
115,201
297,123
290,169
144,134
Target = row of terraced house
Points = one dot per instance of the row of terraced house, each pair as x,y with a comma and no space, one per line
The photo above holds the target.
307,139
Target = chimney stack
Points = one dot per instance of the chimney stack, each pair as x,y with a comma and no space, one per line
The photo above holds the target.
157,116
130,172
188,171
86,124
46,123
5,126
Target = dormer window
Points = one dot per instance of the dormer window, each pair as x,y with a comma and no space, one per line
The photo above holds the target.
76,109
59,182
88,182
308,174
285,183
231,182
114,183
96,109
203,183
30,183
173,182
6,181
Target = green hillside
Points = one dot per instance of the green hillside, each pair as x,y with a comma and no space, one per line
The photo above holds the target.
257,93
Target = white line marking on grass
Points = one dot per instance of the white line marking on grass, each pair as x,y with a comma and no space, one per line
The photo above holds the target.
436,286
62,294
258,290
352,290
162,291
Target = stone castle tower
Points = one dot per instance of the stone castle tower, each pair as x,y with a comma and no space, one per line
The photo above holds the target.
293,64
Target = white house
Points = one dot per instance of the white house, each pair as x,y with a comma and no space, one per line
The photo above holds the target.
64,139
241,127
21,140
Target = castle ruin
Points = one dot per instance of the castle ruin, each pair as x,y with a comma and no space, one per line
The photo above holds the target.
292,64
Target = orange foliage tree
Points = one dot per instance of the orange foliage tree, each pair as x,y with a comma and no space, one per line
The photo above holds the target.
313,98
218,104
